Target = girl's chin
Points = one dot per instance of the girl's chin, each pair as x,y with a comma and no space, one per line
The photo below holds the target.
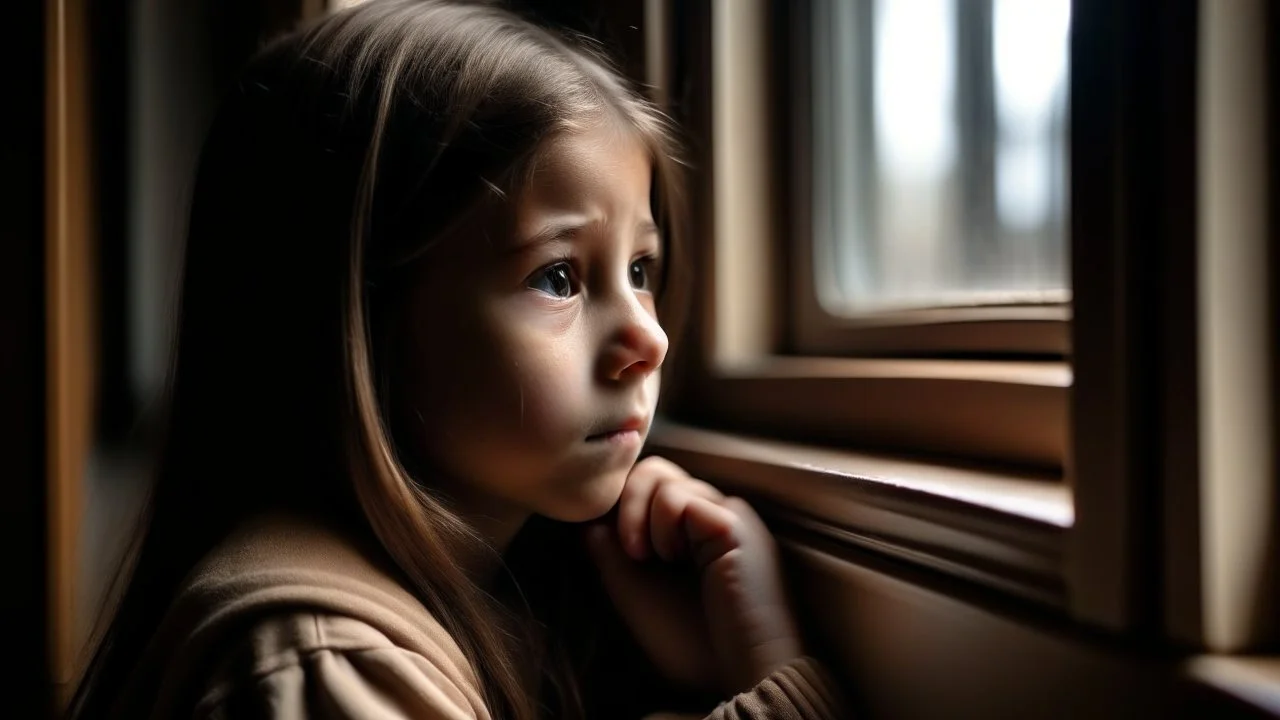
594,500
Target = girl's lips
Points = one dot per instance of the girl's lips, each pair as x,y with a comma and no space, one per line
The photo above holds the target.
616,437
625,431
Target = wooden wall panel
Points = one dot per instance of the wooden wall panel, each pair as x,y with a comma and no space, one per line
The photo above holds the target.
69,292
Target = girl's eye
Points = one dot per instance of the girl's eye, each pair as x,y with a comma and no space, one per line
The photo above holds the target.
554,280
640,274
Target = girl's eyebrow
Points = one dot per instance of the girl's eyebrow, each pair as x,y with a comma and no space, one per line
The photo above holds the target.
551,233
566,231
648,227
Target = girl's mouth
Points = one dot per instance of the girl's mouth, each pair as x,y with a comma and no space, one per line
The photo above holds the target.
624,437
625,432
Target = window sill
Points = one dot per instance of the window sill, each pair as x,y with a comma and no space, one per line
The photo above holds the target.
1254,681
1036,329
999,529
983,410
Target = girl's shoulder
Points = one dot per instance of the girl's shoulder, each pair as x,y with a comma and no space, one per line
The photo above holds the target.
309,664
286,604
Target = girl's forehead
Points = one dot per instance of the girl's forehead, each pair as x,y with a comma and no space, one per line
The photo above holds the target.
598,176
600,160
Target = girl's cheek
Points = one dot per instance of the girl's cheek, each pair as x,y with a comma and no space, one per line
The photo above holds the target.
546,365
552,397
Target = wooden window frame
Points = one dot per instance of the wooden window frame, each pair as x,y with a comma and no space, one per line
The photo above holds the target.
1139,551
985,497
1224,599
739,368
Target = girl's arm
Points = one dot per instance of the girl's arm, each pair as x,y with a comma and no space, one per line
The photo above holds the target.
798,691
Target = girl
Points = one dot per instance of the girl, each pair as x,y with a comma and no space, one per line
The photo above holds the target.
417,361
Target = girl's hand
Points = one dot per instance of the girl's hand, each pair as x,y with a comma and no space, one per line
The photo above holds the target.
695,575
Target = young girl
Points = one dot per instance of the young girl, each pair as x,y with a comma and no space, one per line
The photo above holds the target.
418,357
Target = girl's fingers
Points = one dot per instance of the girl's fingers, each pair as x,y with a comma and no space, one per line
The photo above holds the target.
667,511
749,519
668,505
633,510
713,530
638,530
666,514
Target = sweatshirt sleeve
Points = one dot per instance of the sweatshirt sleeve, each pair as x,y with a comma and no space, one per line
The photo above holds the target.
336,668
800,690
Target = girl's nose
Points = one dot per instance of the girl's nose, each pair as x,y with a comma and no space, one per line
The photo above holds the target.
638,346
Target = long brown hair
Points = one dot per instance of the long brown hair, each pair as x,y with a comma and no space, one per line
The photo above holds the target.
347,149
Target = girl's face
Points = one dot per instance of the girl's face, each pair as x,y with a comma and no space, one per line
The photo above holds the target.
532,376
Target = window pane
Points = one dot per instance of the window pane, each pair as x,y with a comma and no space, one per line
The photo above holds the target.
940,152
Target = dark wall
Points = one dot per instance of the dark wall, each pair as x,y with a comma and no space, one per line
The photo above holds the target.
158,70
23,524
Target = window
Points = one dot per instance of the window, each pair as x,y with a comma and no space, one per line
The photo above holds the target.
937,206
978,382
939,152
925,421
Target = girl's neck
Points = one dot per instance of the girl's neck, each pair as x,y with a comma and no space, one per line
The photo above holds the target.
496,522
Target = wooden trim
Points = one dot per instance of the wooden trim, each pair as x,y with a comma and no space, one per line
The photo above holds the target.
998,529
689,74
1238,495
1102,411
1014,413
742,168
1133,222
1037,330
71,337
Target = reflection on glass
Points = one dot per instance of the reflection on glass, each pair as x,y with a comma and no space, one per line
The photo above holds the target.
940,152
